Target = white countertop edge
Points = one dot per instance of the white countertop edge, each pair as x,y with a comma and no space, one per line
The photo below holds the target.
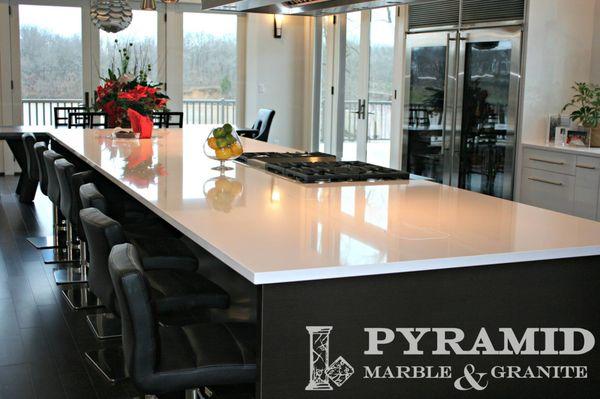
299,275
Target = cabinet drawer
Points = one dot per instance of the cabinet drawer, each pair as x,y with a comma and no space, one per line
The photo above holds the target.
548,190
551,161
587,181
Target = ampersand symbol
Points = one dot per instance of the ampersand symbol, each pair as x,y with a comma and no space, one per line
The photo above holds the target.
473,382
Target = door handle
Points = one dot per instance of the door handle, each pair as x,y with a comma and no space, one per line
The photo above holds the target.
554,183
445,100
362,108
590,167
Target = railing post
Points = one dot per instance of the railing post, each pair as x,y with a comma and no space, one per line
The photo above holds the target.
222,110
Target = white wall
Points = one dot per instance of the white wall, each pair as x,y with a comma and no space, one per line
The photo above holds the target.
559,52
276,76
595,68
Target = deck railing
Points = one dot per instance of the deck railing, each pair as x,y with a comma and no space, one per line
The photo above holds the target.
380,118
37,112
40,112
208,111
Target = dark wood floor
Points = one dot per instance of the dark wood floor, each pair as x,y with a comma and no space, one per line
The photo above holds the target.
41,339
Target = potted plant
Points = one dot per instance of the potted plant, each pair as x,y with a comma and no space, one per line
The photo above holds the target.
127,86
585,105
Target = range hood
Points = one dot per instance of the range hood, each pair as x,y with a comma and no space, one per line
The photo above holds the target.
301,7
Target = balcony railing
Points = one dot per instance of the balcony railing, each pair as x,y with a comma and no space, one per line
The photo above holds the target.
380,119
208,111
38,112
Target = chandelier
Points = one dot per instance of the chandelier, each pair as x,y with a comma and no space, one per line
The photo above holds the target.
111,15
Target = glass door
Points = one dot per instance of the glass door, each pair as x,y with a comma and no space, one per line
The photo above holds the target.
140,38
487,105
356,91
380,86
430,81
209,67
353,93
368,87
51,69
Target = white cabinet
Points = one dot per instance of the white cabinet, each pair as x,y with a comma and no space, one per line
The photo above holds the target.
587,182
548,190
561,181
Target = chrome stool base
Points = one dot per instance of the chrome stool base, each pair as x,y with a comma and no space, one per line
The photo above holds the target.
104,325
69,275
81,298
109,362
59,255
47,242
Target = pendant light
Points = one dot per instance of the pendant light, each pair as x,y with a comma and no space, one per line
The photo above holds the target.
149,5
170,1
111,15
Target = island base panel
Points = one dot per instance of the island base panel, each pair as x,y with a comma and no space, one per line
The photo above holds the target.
313,335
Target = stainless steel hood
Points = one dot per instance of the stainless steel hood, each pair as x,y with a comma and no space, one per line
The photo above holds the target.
301,7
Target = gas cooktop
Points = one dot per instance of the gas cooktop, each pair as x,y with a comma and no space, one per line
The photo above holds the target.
261,158
314,167
314,172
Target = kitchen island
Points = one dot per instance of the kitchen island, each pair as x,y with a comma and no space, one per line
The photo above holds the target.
339,276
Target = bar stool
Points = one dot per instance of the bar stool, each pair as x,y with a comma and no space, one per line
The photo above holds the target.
173,278
79,296
132,220
138,227
55,254
70,206
58,228
169,359
31,171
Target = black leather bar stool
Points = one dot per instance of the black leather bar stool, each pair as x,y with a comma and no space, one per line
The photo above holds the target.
174,280
133,219
78,295
262,126
57,238
169,359
31,167
150,234
59,254
69,206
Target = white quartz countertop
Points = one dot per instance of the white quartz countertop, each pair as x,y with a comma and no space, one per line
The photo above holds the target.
273,230
591,152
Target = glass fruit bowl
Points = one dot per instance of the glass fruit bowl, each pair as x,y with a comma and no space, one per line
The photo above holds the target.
223,144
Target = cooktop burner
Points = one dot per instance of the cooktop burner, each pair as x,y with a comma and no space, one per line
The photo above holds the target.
312,172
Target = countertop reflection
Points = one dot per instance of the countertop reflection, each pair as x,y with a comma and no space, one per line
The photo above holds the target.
271,229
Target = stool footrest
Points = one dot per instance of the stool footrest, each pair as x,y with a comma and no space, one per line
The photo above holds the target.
109,362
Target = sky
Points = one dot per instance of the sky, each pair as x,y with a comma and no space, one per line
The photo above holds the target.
66,21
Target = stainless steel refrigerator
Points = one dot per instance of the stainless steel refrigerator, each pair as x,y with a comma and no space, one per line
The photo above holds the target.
461,106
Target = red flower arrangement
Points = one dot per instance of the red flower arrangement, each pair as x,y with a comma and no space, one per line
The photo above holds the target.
127,87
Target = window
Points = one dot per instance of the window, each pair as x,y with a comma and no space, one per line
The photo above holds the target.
209,67
51,60
140,37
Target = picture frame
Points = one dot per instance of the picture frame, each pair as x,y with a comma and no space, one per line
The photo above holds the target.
574,136
555,121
